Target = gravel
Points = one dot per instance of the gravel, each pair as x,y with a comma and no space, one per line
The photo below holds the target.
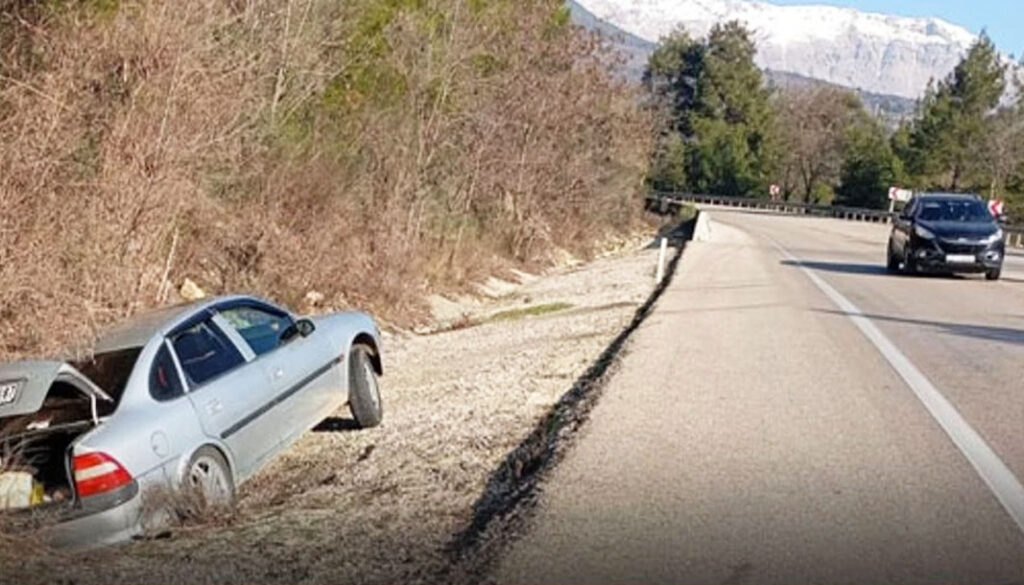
381,505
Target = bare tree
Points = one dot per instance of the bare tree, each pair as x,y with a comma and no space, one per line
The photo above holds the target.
812,123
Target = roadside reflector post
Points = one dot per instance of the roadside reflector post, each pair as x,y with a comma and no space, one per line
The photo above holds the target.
661,261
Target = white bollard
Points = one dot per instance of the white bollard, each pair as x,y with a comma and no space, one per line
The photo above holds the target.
661,261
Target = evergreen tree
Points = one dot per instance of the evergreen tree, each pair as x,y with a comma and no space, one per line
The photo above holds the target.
719,108
671,76
869,167
950,130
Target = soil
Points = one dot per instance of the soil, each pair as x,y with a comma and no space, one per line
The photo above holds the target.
382,505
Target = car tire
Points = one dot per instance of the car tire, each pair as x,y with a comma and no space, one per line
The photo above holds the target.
208,477
993,274
892,263
363,391
909,264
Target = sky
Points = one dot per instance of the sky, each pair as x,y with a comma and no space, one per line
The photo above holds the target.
1002,19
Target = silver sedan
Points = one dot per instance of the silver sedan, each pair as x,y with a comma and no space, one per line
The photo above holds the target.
187,399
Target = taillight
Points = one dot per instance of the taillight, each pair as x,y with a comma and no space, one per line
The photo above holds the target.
96,473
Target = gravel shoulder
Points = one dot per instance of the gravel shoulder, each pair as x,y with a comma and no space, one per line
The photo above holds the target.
381,505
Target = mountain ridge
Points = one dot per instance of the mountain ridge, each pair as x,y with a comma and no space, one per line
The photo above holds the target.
876,53
635,52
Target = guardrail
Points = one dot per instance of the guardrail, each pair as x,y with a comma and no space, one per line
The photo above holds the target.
666,203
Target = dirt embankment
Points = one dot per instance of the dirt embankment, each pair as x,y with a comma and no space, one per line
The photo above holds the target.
363,153
384,505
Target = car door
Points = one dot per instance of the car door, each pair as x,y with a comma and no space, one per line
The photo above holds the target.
226,390
301,368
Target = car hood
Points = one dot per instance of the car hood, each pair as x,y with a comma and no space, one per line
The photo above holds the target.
960,229
24,385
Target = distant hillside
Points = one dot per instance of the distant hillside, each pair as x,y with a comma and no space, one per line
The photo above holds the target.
891,108
636,51
879,53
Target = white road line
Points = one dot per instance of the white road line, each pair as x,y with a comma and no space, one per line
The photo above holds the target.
1006,487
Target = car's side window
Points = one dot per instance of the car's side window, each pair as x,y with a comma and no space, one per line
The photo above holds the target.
205,352
261,328
164,383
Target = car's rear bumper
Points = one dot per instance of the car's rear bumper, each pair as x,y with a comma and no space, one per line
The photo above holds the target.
114,518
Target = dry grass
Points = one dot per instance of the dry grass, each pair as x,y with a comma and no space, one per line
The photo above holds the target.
368,150
382,505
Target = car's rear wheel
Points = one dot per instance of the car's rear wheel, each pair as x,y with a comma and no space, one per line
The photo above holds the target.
209,479
363,390
993,274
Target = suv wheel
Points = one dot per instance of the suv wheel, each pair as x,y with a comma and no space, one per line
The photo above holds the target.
892,263
993,274
909,264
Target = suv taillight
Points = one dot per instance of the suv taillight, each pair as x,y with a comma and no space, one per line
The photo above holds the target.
96,473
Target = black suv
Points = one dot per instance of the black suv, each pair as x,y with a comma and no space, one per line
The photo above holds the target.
939,232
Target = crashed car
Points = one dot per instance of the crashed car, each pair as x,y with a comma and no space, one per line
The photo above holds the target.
191,398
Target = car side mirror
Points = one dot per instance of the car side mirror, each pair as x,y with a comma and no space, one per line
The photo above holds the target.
303,327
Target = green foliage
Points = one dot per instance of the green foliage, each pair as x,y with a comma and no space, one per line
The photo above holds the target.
719,110
725,134
561,17
943,141
533,311
668,169
869,168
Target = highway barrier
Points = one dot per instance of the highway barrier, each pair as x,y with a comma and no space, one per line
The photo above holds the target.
670,203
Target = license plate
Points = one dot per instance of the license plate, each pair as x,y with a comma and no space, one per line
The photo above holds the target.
960,259
8,392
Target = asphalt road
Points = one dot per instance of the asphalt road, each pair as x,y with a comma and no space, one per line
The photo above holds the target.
790,413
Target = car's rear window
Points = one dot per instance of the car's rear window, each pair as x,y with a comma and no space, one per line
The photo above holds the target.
110,370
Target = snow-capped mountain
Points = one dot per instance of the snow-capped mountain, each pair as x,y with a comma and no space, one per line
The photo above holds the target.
876,53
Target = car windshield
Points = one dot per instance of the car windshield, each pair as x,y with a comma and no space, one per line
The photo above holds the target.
110,370
965,210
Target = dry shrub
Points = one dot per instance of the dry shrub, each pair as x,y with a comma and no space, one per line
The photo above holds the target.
369,150
163,508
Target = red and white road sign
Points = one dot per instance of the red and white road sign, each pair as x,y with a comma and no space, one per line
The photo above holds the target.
774,190
996,207
897,194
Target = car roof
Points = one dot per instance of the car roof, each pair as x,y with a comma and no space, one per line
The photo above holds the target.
950,196
137,330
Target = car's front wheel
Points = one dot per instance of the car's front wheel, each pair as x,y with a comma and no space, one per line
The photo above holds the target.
993,274
363,390
892,263
909,263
